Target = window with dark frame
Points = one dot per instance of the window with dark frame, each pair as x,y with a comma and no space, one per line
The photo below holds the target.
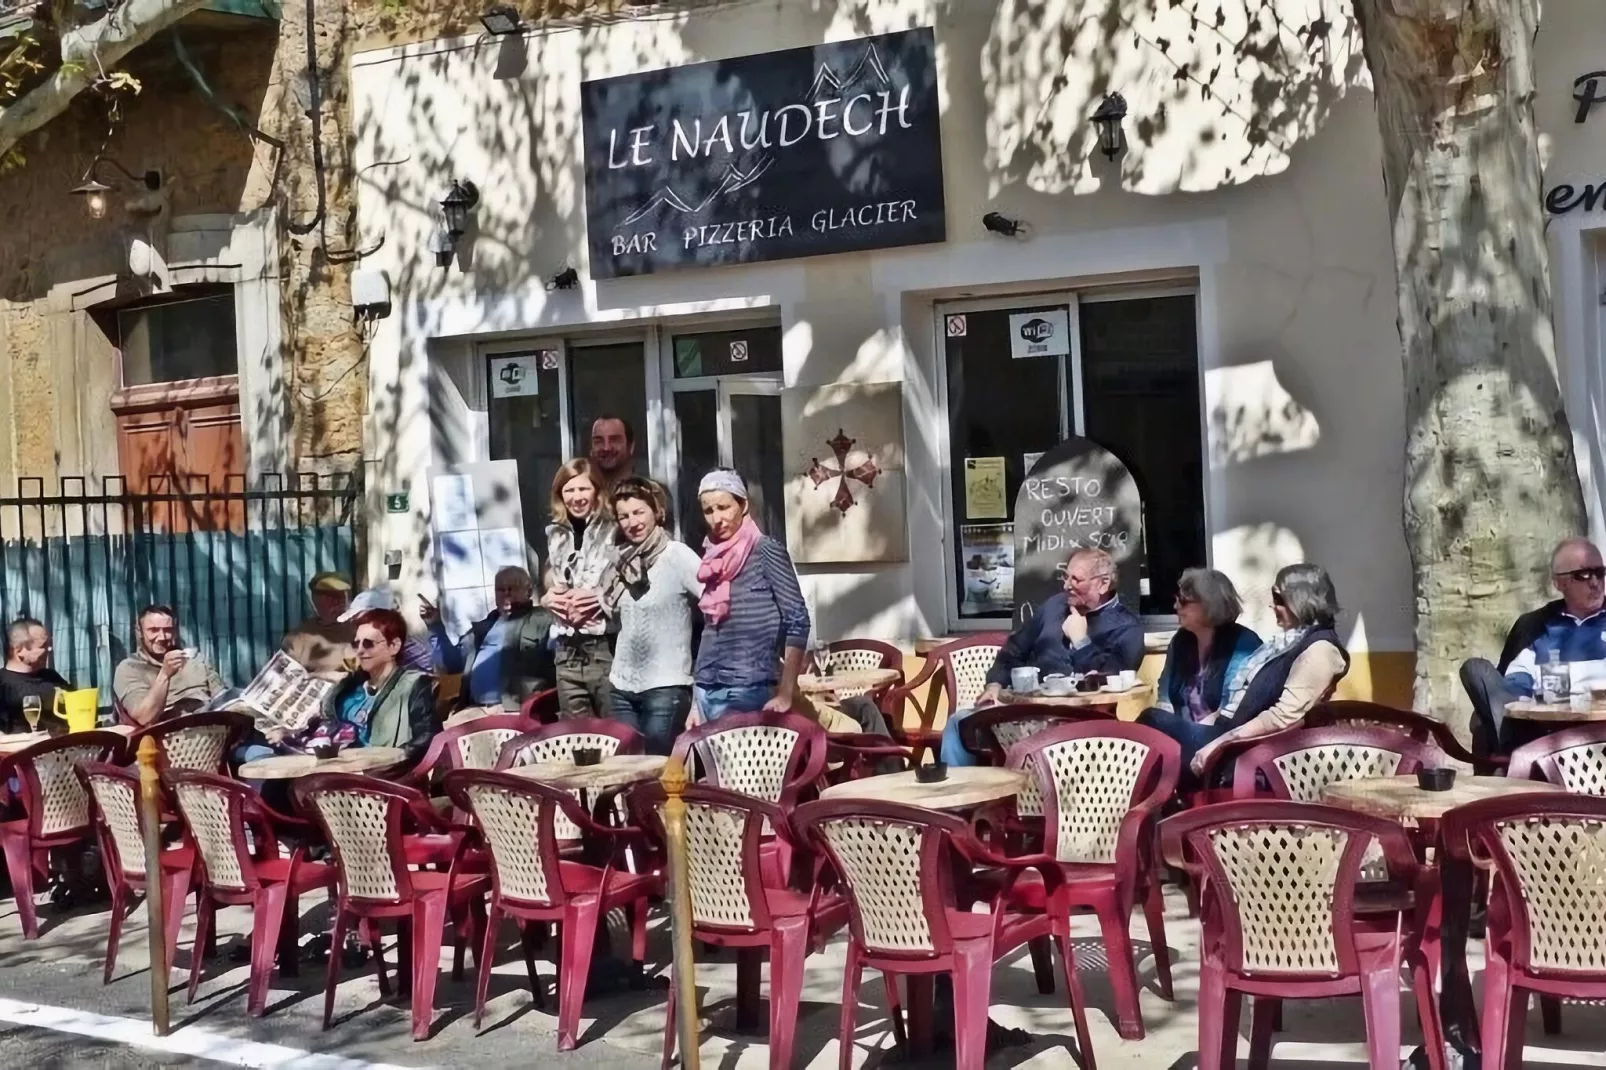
190,335
1140,399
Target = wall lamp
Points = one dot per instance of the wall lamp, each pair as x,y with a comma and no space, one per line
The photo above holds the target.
94,191
456,209
501,20
1108,118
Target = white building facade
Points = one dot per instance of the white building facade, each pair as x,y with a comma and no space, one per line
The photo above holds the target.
1217,301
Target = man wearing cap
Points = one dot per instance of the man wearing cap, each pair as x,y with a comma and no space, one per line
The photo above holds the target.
322,642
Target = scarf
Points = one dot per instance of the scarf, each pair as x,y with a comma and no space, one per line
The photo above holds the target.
1271,648
721,562
628,571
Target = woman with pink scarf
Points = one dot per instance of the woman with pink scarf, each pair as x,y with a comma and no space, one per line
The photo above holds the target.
756,624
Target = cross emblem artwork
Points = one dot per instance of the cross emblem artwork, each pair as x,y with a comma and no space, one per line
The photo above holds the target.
864,473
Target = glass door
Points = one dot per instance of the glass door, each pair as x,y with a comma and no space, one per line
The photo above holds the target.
525,389
753,409
1011,385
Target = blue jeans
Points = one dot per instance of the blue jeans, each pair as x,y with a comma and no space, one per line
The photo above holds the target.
953,751
1190,735
715,702
658,713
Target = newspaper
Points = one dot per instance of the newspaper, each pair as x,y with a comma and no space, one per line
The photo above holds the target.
284,695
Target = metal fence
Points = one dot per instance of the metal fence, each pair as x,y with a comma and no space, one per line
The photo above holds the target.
234,564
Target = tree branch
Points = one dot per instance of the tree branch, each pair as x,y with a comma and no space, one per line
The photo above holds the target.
85,52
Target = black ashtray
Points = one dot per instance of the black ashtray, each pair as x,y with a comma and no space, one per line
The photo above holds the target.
1435,779
933,773
588,756
324,751
1091,682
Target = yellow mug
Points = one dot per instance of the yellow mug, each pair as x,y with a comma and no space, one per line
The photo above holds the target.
82,707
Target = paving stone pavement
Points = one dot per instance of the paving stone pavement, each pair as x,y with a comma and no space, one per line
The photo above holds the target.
624,1031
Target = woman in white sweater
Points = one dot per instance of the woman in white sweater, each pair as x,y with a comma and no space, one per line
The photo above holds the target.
651,590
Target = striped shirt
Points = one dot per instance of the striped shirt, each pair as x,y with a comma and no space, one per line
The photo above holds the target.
1581,643
767,615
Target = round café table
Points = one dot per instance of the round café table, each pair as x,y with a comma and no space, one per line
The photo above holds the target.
296,766
848,680
967,786
1580,711
612,773
1081,698
1400,799
12,742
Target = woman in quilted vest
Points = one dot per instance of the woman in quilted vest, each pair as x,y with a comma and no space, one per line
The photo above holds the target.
580,549
1280,682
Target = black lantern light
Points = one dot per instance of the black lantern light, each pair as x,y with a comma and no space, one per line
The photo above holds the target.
95,192
500,20
1109,118
459,201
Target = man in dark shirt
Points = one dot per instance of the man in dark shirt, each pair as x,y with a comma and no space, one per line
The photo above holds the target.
1084,629
27,672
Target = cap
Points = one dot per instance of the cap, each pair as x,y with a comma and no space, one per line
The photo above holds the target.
329,581
724,479
376,598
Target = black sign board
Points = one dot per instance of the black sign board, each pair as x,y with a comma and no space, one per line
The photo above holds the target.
826,149
1077,496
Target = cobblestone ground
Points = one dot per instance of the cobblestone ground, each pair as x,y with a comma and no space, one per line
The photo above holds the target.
61,974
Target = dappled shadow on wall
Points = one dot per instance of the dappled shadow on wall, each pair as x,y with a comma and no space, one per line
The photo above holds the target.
1219,91
1252,415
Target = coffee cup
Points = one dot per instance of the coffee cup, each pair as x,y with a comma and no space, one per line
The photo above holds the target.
1058,684
1129,679
1023,680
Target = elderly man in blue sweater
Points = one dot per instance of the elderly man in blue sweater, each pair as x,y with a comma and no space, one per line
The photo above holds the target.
1084,629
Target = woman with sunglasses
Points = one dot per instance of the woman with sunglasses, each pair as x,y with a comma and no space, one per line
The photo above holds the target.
1280,682
380,703
1209,648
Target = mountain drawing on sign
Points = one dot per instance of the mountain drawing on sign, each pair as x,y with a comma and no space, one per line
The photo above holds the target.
826,79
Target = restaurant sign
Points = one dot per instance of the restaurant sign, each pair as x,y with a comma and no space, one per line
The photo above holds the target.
824,149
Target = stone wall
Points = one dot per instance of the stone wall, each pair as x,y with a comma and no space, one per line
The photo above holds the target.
212,167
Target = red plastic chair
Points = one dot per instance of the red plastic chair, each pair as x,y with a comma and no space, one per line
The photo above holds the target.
957,673
1574,758
770,756
854,655
475,744
237,871
1545,934
531,882
1420,727
852,755
364,820
1279,920
114,792
909,910
56,811
541,707
1299,765
1100,786
200,741
734,904
989,733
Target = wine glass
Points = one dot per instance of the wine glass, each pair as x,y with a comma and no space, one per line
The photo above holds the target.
32,707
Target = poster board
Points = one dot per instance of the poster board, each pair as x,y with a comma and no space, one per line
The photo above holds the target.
1077,496
476,527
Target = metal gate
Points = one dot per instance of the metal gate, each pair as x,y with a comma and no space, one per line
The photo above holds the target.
234,564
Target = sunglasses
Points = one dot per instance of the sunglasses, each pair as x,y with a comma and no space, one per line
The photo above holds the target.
369,644
1584,575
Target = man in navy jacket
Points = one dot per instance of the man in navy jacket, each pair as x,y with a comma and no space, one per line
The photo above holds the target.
1085,629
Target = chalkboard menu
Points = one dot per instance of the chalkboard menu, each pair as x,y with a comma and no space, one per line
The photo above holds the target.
1077,496
825,149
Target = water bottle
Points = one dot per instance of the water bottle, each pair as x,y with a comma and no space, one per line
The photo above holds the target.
1554,684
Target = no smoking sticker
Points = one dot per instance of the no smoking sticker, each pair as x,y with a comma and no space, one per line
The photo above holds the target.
738,352
956,326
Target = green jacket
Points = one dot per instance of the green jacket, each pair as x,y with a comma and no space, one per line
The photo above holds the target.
401,715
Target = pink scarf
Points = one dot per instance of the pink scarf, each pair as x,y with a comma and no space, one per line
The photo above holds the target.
721,562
